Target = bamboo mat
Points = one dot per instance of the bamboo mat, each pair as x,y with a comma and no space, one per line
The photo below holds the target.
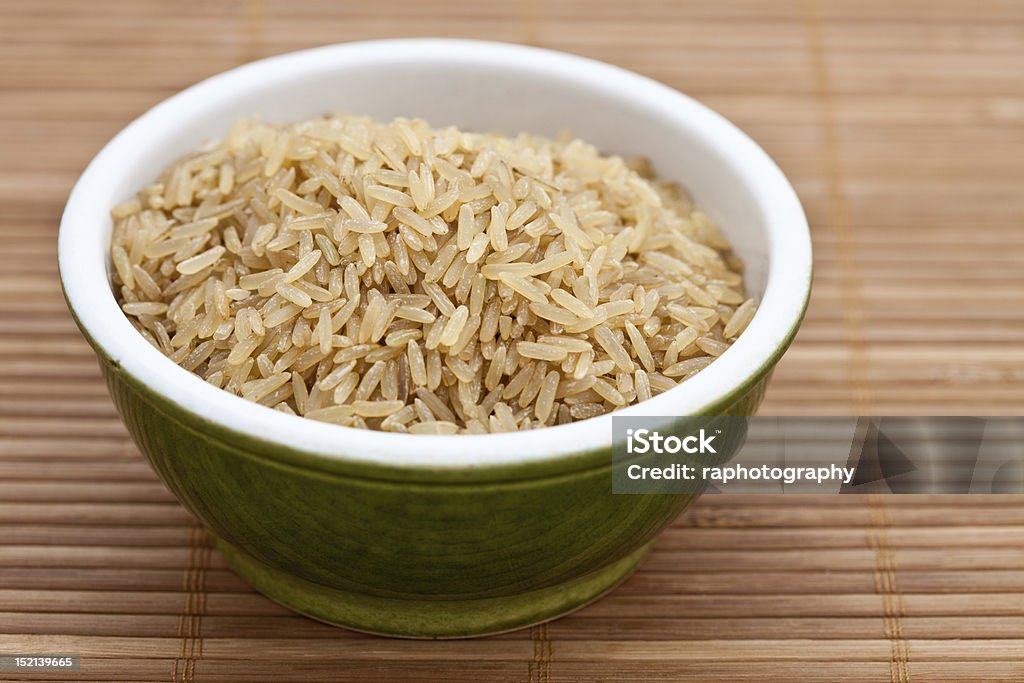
901,125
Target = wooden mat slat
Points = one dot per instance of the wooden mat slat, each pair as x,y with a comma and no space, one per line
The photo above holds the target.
901,125
507,649
143,579
681,561
140,514
678,539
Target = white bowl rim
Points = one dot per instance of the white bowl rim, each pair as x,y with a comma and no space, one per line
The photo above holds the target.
780,310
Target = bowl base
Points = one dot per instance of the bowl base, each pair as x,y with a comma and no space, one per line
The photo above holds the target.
432,619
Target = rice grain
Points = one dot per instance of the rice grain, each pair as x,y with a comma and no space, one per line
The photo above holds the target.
392,276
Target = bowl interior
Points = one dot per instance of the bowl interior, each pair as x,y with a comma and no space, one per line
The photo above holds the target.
475,86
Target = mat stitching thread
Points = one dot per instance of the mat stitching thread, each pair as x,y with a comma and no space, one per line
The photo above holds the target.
252,29
548,653
204,565
894,608
850,286
184,618
190,620
531,22
853,316
539,668
532,664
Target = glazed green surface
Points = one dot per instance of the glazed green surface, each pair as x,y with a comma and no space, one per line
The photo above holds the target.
492,555
418,617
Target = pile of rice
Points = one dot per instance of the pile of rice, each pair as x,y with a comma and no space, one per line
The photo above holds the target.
431,281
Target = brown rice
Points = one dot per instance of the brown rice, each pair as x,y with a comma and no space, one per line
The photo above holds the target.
430,281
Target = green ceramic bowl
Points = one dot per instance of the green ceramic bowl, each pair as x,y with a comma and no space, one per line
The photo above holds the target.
412,535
